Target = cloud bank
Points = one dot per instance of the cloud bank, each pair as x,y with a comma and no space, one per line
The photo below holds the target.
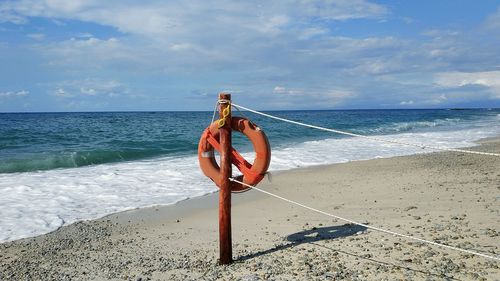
292,54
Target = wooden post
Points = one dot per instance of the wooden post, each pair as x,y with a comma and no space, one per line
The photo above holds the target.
225,244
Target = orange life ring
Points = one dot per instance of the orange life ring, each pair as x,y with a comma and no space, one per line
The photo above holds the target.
252,173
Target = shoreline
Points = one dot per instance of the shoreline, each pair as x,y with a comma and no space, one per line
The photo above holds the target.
192,205
209,200
102,190
170,242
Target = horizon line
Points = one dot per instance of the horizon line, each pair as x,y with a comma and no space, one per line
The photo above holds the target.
344,109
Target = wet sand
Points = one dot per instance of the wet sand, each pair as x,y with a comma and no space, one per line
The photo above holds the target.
451,198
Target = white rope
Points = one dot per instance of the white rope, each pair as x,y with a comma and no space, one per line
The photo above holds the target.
241,112
369,226
366,137
223,101
213,115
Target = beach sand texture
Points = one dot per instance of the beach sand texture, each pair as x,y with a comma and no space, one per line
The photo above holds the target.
451,198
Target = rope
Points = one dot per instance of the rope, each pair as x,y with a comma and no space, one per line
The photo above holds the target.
241,112
366,137
224,101
213,115
368,226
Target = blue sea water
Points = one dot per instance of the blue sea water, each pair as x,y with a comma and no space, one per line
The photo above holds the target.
45,141
56,168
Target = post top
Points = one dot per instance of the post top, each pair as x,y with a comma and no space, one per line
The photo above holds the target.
224,96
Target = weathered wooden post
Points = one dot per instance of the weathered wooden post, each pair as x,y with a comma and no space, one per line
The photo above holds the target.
225,243
217,137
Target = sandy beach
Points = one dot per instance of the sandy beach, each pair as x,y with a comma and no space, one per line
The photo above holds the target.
450,198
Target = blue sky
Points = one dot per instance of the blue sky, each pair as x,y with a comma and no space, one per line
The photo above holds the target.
58,55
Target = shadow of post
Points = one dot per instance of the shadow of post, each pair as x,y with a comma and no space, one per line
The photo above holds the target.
312,235
325,233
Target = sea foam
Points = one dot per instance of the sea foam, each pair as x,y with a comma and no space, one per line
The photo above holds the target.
34,203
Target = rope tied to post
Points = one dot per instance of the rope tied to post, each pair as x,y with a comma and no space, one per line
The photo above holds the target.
217,104
225,114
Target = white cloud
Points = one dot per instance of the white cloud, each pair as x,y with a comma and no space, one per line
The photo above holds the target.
279,90
493,21
88,87
407,20
14,94
409,102
427,99
164,17
489,79
88,91
36,36
60,92
440,33
92,42
273,25
182,47
436,100
87,52
85,35
342,9
192,36
288,48
8,16
283,90
231,91
319,97
338,94
310,32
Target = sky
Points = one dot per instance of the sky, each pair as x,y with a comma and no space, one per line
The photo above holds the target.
155,55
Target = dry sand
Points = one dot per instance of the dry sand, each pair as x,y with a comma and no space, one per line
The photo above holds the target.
451,198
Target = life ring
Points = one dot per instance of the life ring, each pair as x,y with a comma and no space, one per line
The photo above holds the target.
252,173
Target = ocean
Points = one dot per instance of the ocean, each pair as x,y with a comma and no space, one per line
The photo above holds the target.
58,168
